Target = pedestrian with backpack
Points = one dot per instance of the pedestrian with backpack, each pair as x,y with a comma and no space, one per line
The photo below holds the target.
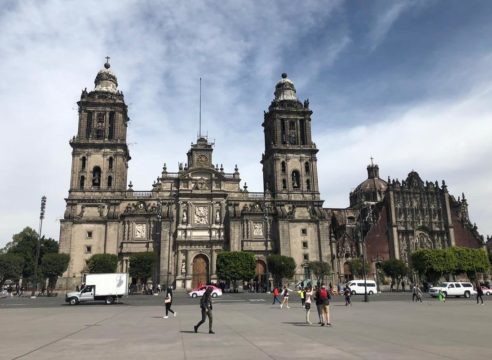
325,306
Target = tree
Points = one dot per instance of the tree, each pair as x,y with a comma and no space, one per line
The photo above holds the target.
357,268
102,263
281,267
141,265
320,269
395,269
11,266
470,261
52,266
24,244
236,265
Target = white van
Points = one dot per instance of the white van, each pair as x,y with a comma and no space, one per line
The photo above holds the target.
357,287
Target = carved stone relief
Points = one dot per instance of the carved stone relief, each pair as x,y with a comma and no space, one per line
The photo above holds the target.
201,215
257,229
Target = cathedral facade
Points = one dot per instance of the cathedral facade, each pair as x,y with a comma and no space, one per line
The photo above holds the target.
193,213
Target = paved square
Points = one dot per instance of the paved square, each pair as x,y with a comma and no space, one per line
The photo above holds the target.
249,329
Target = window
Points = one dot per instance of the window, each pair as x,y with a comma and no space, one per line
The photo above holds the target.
304,244
89,234
295,179
82,182
304,231
450,286
110,163
110,181
88,125
308,185
306,167
83,163
88,249
283,167
457,285
100,126
111,126
306,257
282,131
284,184
96,176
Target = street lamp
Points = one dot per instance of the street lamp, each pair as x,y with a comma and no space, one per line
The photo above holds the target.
38,246
366,298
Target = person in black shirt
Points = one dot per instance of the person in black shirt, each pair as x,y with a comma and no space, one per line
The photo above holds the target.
206,308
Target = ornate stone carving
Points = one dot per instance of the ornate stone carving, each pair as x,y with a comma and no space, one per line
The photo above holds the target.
201,215
257,229
140,231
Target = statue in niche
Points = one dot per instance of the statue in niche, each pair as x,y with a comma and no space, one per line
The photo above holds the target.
184,218
295,179
183,267
292,137
217,217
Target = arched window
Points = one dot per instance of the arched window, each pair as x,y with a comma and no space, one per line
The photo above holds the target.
295,179
110,181
83,162
306,167
88,125
111,126
96,176
283,167
82,182
284,184
110,163
308,185
100,126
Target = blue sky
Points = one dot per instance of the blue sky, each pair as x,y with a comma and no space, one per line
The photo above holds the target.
407,82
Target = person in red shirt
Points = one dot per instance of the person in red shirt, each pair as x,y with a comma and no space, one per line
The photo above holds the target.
275,295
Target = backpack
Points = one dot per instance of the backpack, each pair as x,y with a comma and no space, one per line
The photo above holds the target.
323,294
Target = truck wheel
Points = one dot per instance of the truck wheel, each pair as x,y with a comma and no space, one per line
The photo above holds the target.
109,300
467,294
74,301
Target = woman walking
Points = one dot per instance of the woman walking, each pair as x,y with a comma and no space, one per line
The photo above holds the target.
285,300
325,307
307,304
479,293
168,300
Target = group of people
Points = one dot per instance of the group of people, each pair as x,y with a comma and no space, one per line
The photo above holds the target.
320,295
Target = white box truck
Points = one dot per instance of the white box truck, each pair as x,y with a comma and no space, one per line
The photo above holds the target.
100,287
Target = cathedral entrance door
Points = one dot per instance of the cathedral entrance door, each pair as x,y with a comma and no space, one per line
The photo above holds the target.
260,278
200,271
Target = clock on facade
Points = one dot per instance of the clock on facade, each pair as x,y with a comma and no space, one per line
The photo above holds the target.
202,159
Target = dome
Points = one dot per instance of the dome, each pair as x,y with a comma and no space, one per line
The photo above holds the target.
106,80
285,89
371,190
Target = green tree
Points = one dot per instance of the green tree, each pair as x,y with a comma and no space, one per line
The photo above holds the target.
141,265
24,244
102,263
395,269
434,263
235,266
281,267
357,268
470,261
320,269
52,266
11,266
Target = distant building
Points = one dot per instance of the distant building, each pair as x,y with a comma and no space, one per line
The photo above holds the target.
192,214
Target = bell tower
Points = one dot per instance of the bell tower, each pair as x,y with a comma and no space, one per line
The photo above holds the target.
100,153
289,162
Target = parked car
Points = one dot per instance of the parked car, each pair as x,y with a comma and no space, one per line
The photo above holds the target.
455,288
486,290
201,290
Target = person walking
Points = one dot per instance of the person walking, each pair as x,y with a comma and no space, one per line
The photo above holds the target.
346,293
325,306
168,300
285,300
307,304
276,293
419,294
414,292
479,293
441,296
206,308
302,295
319,303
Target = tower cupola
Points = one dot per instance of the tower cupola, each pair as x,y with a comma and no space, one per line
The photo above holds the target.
285,89
106,80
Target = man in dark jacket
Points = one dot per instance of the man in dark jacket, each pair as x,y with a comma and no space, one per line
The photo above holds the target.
206,307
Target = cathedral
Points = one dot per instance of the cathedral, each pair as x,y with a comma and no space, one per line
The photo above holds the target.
193,213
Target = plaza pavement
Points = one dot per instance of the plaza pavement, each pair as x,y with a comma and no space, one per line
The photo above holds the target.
249,329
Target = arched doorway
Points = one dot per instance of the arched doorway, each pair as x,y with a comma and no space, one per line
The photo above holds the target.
200,270
261,279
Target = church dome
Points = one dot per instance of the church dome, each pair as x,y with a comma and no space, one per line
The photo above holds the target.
106,80
370,190
285,89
